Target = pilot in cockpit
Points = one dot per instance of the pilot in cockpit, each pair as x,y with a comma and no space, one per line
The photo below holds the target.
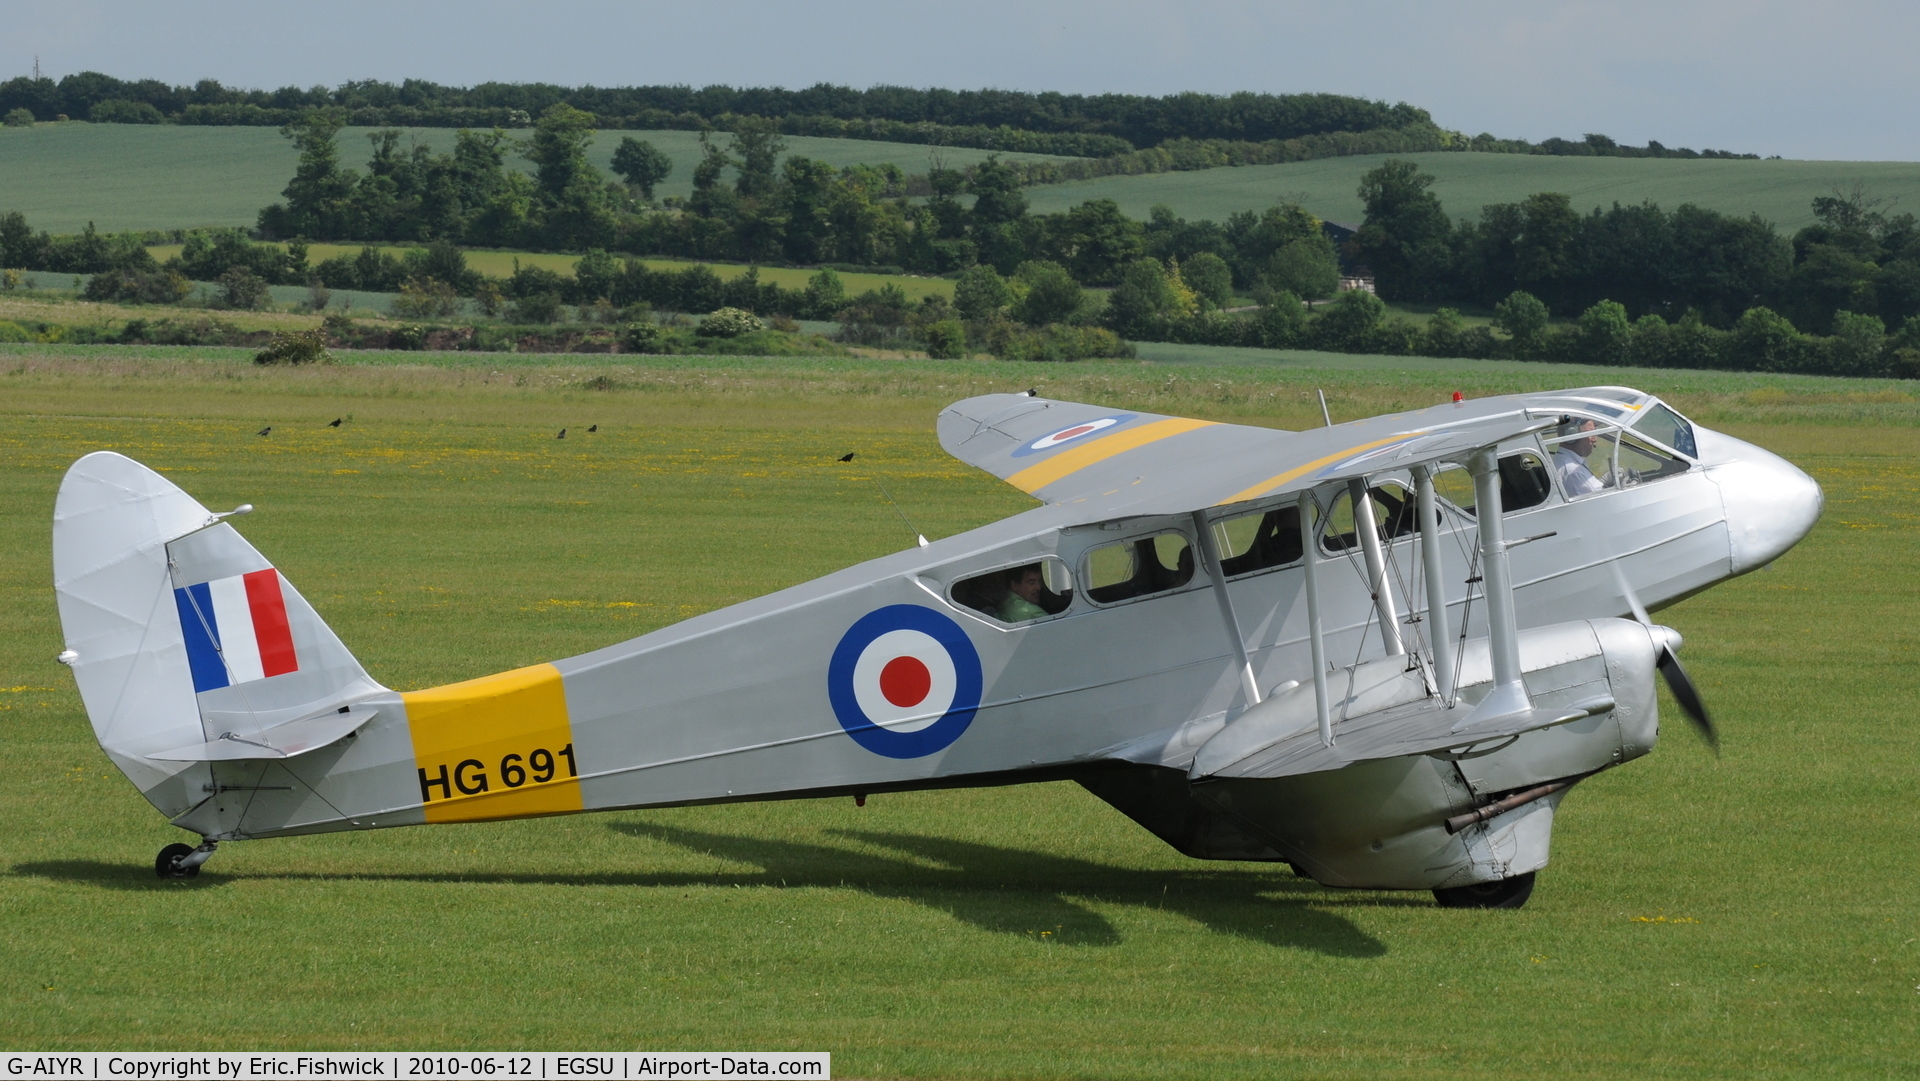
1022,602
1570,460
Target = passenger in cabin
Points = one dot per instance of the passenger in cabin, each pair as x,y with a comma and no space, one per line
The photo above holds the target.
1022,602
1570,460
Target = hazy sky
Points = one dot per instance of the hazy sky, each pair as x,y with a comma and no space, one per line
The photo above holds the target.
1829,80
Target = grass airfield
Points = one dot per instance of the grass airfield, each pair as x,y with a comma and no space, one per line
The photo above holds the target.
1754,916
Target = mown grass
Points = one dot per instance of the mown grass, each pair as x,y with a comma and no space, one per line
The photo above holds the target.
1779,191
1754,916
131,176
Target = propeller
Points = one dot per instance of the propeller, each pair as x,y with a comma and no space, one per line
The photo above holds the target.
1681,684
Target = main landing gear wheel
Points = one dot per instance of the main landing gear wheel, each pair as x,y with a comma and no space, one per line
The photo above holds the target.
167,863
1505,893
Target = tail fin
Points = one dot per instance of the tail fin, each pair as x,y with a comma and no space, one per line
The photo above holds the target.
187,645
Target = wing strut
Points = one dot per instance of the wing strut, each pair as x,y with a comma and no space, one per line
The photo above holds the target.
1369,532
1439,635
1310,560
1508,694
1210,552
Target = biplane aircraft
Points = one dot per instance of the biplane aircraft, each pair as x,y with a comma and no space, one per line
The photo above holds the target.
1379,651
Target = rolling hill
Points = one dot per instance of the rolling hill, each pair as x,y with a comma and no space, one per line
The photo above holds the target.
126,176
133,176
1779,191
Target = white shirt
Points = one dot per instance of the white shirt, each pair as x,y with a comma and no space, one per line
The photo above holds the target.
1575,477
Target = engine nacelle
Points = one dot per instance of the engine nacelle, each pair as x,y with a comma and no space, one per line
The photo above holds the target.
1381,822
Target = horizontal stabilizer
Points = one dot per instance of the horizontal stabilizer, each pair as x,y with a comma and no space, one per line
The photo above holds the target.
280,741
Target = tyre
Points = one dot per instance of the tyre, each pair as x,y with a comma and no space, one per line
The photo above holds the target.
1504,893
167,863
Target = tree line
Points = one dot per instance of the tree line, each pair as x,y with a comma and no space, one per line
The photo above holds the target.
1760,340
1642,285
1135,120
1855,256
774,209
1201,130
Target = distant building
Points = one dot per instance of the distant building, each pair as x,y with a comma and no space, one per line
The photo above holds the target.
1352,275
1339,231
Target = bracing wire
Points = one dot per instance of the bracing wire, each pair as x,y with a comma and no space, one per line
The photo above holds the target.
1466,614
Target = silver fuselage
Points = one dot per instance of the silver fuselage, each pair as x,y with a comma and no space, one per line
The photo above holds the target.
733,704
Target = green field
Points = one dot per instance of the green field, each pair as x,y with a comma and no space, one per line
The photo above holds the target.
128,176
1779,191
500,264
131,176
1757,916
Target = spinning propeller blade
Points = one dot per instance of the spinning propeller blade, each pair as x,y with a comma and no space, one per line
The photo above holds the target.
1689,698
1681,684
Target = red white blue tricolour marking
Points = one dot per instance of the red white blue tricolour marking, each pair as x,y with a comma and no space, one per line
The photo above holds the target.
904,681
1069,434
236,630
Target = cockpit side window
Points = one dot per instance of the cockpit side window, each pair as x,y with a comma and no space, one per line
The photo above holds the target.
1640,461
1018,594
1258,541
1590,458
1583,452
1138,567
1663,425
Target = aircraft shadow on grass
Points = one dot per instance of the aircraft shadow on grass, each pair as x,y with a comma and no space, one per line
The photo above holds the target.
1004,890
1021,892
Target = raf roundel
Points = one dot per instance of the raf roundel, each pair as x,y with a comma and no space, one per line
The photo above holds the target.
904,681
1069,434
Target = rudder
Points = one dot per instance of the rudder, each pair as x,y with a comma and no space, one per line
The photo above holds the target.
188,646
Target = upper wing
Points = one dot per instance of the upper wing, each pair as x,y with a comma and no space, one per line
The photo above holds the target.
1119,462
1068,452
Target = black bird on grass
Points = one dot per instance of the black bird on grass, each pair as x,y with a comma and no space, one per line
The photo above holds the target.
336,422
264,430
562,435
847,457
593,427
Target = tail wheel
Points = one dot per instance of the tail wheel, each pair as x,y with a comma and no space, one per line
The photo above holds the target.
167,863
1505,893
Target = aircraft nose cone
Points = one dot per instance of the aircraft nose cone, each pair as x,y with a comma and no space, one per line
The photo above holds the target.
1770,503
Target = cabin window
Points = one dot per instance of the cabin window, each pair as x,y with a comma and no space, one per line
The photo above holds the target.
1455,485
1139,567
1523,481
1523,484
1394,513
1258,541
1018,594
1663,425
